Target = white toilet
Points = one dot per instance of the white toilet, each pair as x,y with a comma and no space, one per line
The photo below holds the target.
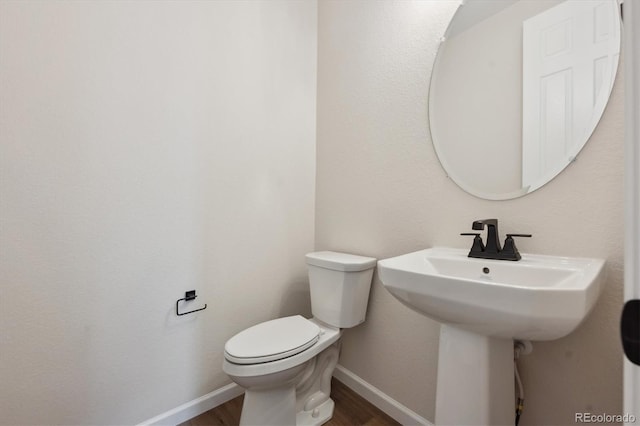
286,364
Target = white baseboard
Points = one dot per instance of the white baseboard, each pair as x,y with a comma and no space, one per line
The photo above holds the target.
196,407
375,396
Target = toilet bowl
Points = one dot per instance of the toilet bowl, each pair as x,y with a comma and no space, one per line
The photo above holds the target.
285,365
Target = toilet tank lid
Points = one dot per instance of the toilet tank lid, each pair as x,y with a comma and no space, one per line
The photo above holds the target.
340,261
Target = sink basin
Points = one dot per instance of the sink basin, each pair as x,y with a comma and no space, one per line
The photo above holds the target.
537,298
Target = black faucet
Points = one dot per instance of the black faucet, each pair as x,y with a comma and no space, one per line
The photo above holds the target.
492,249
493,241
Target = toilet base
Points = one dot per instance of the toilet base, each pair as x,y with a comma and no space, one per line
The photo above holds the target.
276,406
273,407
316,417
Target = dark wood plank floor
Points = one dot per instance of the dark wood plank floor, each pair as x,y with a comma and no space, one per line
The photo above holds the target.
350,410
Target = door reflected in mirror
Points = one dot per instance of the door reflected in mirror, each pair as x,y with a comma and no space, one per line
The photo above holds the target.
518,88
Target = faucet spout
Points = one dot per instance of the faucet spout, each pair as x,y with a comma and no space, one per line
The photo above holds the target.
493,240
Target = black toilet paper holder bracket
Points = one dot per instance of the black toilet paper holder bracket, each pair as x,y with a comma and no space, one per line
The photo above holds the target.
188,296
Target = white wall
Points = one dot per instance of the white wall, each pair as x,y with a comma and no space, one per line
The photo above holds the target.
381,192
146,149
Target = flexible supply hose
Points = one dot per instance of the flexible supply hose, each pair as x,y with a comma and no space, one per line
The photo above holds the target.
520,399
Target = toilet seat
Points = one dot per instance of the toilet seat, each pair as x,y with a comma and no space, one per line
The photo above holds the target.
272,340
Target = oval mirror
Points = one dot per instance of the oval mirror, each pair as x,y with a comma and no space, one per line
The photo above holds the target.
517,89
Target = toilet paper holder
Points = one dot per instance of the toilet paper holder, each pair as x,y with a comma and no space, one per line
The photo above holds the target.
188,296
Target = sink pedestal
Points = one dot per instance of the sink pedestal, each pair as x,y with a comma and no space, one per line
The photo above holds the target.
475,379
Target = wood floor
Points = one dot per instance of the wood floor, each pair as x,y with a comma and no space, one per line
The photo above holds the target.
350,410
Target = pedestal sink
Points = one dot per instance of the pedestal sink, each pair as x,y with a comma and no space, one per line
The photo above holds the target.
483,306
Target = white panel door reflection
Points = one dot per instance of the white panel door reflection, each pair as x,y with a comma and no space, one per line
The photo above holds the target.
570,53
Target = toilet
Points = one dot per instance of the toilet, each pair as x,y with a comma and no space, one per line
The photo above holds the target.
285,365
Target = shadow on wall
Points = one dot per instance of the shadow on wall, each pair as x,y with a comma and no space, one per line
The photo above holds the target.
296,300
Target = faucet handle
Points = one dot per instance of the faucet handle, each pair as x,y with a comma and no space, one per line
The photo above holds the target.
478,245
510,251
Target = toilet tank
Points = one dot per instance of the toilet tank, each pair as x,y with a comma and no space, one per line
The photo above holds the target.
340,285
